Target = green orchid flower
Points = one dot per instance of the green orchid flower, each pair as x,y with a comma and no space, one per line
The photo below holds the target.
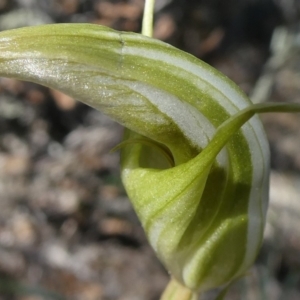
195,159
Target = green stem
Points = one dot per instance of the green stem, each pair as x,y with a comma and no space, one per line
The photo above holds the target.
176,291
147,25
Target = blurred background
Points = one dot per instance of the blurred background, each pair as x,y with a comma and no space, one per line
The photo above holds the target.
67,229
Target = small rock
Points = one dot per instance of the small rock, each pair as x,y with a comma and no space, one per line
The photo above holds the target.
23,230
115,226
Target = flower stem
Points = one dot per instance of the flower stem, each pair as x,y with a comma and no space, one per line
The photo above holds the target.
147,25
176,291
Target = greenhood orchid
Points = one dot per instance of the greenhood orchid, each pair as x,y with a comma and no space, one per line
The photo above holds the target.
195,159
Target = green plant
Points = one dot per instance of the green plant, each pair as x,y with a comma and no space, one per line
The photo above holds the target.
195,159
